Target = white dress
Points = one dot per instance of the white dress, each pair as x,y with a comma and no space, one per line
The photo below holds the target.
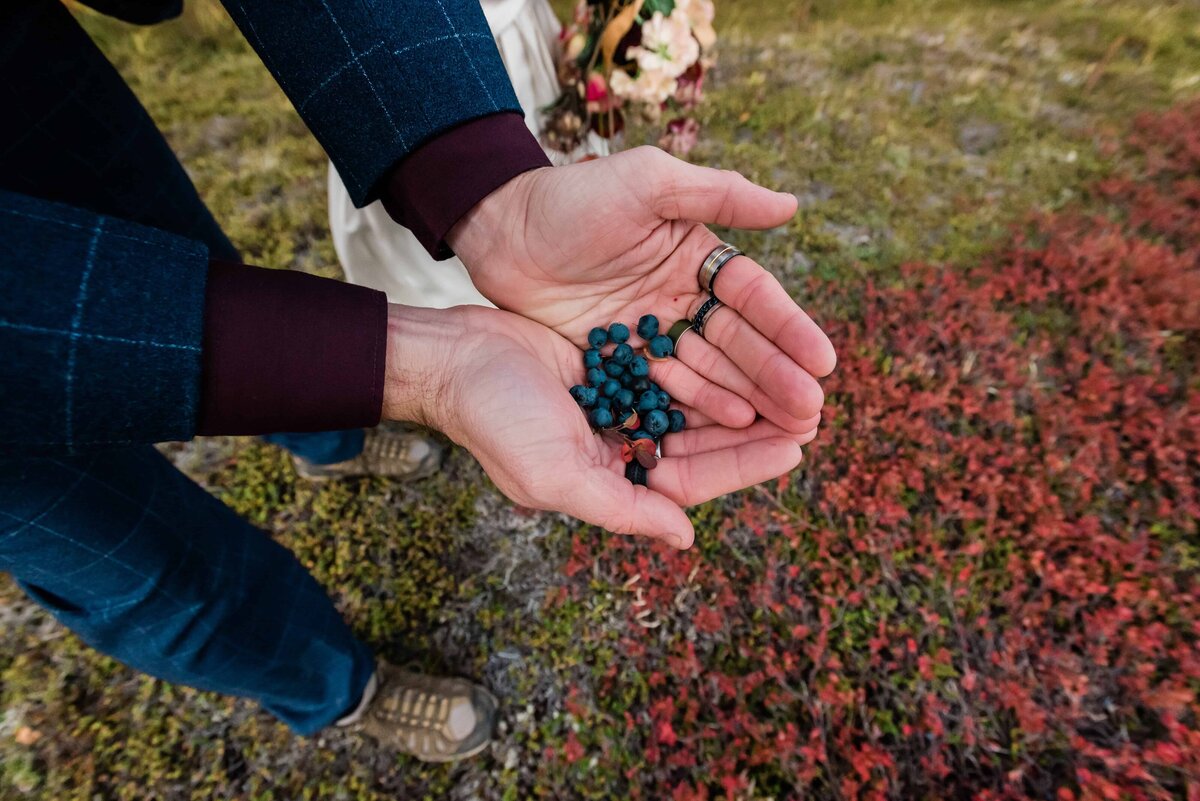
376,251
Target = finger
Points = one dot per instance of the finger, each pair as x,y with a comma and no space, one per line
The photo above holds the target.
608,500
686,386
695,479
779,377
684,191
706,439
710,362
763,302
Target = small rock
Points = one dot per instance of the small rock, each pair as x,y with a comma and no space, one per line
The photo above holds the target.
976,137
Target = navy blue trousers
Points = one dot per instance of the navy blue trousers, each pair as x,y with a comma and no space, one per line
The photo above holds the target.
120,546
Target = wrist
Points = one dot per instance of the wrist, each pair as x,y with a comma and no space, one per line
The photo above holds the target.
419,371
485,234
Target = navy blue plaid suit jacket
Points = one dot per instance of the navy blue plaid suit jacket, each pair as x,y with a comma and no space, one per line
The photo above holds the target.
104,247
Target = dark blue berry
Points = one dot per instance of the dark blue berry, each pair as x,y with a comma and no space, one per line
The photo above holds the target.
660,347
655,387
676,421
623,355
639,367
596,377
611,387
648,402
641,434
613,369
597,337
591,395
656,422
664,400
579,393
647,327
624,399
604,403
601,418
592,358
640,385
627,380
618,333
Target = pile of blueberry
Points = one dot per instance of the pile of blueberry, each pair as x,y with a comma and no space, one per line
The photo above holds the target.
620,397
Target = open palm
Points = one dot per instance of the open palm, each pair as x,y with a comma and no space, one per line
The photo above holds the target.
505,399
612,239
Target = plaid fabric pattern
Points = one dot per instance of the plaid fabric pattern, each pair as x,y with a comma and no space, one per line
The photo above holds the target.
149,568
100,327
374,79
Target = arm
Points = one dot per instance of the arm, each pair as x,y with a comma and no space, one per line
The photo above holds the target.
114,333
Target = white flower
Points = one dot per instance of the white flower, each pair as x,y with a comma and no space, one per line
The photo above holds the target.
667,45
652,87
700,15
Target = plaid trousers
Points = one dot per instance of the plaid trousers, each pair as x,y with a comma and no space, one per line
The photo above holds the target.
148,567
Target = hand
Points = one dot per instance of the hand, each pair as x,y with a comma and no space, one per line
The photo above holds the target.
497,384
612,239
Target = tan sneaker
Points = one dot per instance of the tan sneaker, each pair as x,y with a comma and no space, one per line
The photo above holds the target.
391,450
433,719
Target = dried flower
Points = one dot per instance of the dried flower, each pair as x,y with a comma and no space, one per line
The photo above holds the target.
668,46
700,15
680,136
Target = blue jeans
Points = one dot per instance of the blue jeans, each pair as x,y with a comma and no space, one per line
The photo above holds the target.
146,566
325,447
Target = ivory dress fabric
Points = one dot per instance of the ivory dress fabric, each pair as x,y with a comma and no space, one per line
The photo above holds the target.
377,252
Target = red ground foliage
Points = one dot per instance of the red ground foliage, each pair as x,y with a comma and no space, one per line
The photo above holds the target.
983,583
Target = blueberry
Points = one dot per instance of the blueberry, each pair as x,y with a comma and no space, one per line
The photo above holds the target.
579,393
656,422
623,355
660,347
655,387
611,387
627,380
597,337
647,327
641,434
613,369
639,367
604,403
592,358
676,421
664,400
596,377
648,402
591,395
640,385
618,333
624,399
601,418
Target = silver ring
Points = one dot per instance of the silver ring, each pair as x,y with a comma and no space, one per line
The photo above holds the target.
704,312
708,269
718,263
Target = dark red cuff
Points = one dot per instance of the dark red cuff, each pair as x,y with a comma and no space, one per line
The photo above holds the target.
435,185
286,351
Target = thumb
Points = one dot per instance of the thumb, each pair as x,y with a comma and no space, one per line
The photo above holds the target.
683,191
610,501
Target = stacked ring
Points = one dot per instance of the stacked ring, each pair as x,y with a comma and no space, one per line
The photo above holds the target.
718,258
677,330
704,312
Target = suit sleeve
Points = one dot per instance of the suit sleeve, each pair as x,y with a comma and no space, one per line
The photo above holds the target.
377,81
115,333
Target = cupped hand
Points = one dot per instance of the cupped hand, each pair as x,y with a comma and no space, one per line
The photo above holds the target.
618,237
497,384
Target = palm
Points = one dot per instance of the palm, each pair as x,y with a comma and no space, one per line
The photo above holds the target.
533,440
614,239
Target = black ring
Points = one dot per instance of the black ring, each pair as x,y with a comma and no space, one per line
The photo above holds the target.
635,473
677,330
702,313
722,260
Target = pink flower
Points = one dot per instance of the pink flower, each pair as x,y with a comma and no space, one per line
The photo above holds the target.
690,89
667,45
699,15
597,95
651,87
680,136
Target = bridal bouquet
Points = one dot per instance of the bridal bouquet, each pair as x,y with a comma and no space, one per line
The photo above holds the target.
643,57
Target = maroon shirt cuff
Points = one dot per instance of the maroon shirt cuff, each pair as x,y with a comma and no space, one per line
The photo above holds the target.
435,185
286,351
